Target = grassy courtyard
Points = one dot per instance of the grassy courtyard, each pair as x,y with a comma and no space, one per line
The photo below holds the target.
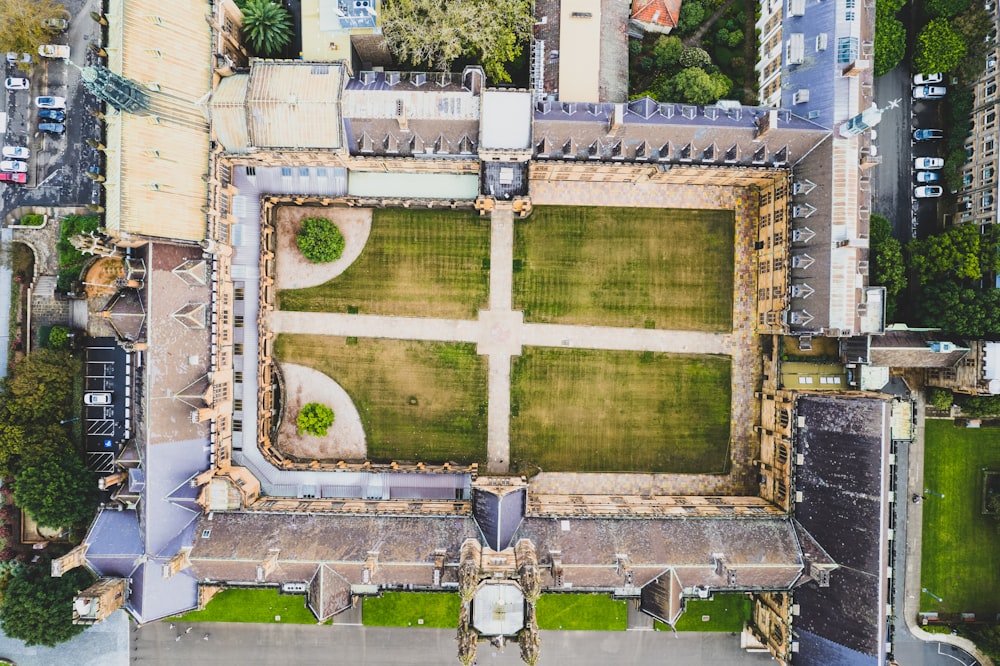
633,267
412,609
422,263
588,410
418,401
246,605
581,612
722,613
961,547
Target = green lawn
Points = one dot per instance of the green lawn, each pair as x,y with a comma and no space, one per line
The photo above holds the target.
633,267
418,401
961,547
407,609
422,263
591,410
581,612
246,605
726,613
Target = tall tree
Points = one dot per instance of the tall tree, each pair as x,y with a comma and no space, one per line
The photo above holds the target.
267,27
21,23
57,491
435,33
696,86
887,266
40,390
952,254
38,608
940,48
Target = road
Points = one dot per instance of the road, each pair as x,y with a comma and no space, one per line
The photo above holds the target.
303,645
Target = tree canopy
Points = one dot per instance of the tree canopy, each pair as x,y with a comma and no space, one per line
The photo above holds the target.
40,388
267,26
320,240
890,42
58,491
315,419
38,608
952,254
940,48
960,309
887,266
21,24
946,8
696,86
691,15
435,33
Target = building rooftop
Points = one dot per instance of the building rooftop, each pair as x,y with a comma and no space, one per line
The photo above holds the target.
506,121
661,13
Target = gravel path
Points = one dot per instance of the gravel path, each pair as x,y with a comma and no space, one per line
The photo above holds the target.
345,440
294,271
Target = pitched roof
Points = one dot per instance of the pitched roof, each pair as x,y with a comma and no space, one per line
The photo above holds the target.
913,349
657,12
329,593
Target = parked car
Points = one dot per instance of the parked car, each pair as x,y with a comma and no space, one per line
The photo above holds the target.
16,153
54,128
15,166
16,83
21,178
927,191
928,134
14,58
929,92
97,398
50,102
52,114
55,24
924,79
928,163
54,51
928,177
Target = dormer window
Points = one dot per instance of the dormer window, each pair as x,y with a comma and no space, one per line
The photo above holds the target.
803,210
802,235
802,290
803,186
802,261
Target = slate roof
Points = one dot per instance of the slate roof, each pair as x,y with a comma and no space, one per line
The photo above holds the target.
911,349
329,593
843,481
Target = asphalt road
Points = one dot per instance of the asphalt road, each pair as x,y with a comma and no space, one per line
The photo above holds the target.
303,645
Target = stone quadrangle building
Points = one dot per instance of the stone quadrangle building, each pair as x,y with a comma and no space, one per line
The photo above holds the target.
204,145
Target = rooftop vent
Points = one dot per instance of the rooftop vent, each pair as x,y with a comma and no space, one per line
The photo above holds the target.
796,49
801,96
797,8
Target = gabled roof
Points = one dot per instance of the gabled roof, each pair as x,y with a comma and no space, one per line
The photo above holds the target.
329,593
657,12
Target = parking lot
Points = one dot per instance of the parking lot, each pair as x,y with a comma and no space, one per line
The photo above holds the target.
107,401
57,166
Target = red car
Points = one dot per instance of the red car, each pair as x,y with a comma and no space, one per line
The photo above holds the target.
14,177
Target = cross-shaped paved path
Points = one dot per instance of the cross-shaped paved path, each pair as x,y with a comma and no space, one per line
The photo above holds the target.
500,333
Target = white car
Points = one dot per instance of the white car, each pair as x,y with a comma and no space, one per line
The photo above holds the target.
922,163
14,166
927,191
16,83
16,153
929,92
14,58
924,79
97,398
48,102
54,51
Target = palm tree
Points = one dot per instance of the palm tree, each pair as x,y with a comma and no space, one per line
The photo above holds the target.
267,27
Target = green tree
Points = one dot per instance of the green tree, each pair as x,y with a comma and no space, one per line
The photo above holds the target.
940,399
952,254
691,15
956,308
890,43
980,405
667,52
887,266
21,28
940,48
59,337
435,33
695,57
31,441
320,240
267,27
975,25
58,491
38,608
40,390
946,8
314,419
696,86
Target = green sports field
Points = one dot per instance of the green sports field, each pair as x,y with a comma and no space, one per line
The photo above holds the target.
961,547
418,401
418,263
631,267
576,410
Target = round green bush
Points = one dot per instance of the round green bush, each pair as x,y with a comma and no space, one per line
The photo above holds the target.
59,337
320,240
314,419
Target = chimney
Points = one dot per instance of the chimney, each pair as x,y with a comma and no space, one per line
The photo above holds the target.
106,482
69,561
617,120
766,123
401,115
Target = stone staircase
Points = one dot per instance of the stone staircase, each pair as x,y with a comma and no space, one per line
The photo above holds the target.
44,287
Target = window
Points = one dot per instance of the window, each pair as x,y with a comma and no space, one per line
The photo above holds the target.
988,174
238,321
990,119
237,425
321,172
239,293
251,171
286,172
238,377
238,349
849,15
206,533
988,145
847,49
303,172
238,405
991,91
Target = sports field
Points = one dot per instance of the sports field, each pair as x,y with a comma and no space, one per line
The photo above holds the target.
631,267
418,401
420,263
961,547
575,410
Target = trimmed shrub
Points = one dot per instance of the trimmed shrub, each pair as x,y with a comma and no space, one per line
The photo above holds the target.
314,419
59,337
320,241
940,399
32,220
